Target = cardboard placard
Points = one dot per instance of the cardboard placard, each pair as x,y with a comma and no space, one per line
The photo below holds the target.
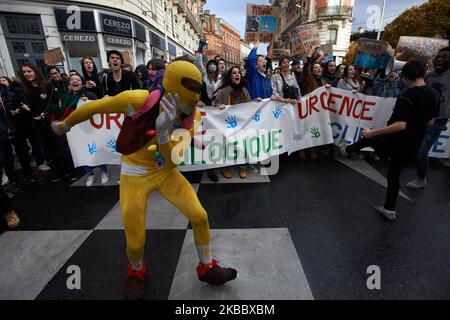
420,48
305,38
372,47
262,23
372,54
126,57
53,56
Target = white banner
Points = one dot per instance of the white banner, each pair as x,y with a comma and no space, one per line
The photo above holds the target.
255,131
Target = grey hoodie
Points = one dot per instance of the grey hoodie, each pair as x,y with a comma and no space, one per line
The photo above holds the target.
441,83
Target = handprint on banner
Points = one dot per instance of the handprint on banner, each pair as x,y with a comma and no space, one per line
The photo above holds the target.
232,123
277,112
257,116
112,145
315,133
92,148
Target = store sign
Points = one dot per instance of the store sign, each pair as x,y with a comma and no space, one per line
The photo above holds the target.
139,31
117,41
73,18
78,37
116,25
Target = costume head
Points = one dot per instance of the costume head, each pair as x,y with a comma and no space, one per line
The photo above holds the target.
183,78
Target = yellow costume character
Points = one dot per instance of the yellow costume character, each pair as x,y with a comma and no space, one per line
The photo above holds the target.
150,168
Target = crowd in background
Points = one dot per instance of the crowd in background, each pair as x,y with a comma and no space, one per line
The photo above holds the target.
29,105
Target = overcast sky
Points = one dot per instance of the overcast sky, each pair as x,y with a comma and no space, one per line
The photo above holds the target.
234,11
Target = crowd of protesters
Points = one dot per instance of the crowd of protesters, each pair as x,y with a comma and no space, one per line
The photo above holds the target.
25,121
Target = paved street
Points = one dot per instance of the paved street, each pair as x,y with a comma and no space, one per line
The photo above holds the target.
309,232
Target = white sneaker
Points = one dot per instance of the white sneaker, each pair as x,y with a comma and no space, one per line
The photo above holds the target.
416,184
5,180
105,178
388,214
44,167
90,181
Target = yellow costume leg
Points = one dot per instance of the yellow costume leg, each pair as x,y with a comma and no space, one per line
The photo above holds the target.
176,189
134,193
126,102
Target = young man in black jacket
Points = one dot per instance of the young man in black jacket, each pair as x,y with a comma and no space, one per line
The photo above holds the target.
118,80
414,112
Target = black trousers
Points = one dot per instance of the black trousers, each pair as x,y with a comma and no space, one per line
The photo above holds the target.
5,203
25,130
384,146
21,149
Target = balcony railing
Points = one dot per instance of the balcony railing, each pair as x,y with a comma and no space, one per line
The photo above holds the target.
332,11
184,9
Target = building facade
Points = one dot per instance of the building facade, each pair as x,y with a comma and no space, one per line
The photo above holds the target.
333,17
213,34
231,43
142,30
245,50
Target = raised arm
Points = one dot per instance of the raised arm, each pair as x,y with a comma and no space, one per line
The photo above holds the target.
128,102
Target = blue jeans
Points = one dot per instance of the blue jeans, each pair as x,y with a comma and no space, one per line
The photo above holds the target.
90,170
431,135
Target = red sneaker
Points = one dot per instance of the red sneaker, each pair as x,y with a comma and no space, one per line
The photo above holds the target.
135,283
214,274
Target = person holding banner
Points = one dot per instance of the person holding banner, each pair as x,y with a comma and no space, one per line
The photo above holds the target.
79,95
330,75
438,79
351,80
312,79
149,160
259,85
233,92
414,112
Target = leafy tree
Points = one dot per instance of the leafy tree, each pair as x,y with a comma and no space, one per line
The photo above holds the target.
431,19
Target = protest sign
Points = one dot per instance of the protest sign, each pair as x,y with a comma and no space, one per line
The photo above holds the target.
262,23
255,131
372,54
305,38
53,56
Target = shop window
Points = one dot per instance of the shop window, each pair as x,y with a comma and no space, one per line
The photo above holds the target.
38,47
23,25
332,34
76,51
19,47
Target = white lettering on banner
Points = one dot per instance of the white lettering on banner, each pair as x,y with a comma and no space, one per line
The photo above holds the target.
254,131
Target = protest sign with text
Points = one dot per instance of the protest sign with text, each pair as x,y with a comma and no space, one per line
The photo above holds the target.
262,23
255,131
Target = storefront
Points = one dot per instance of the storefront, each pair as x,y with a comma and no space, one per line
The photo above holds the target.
158,45
172,52
140,39
79,37
118,35
24,39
